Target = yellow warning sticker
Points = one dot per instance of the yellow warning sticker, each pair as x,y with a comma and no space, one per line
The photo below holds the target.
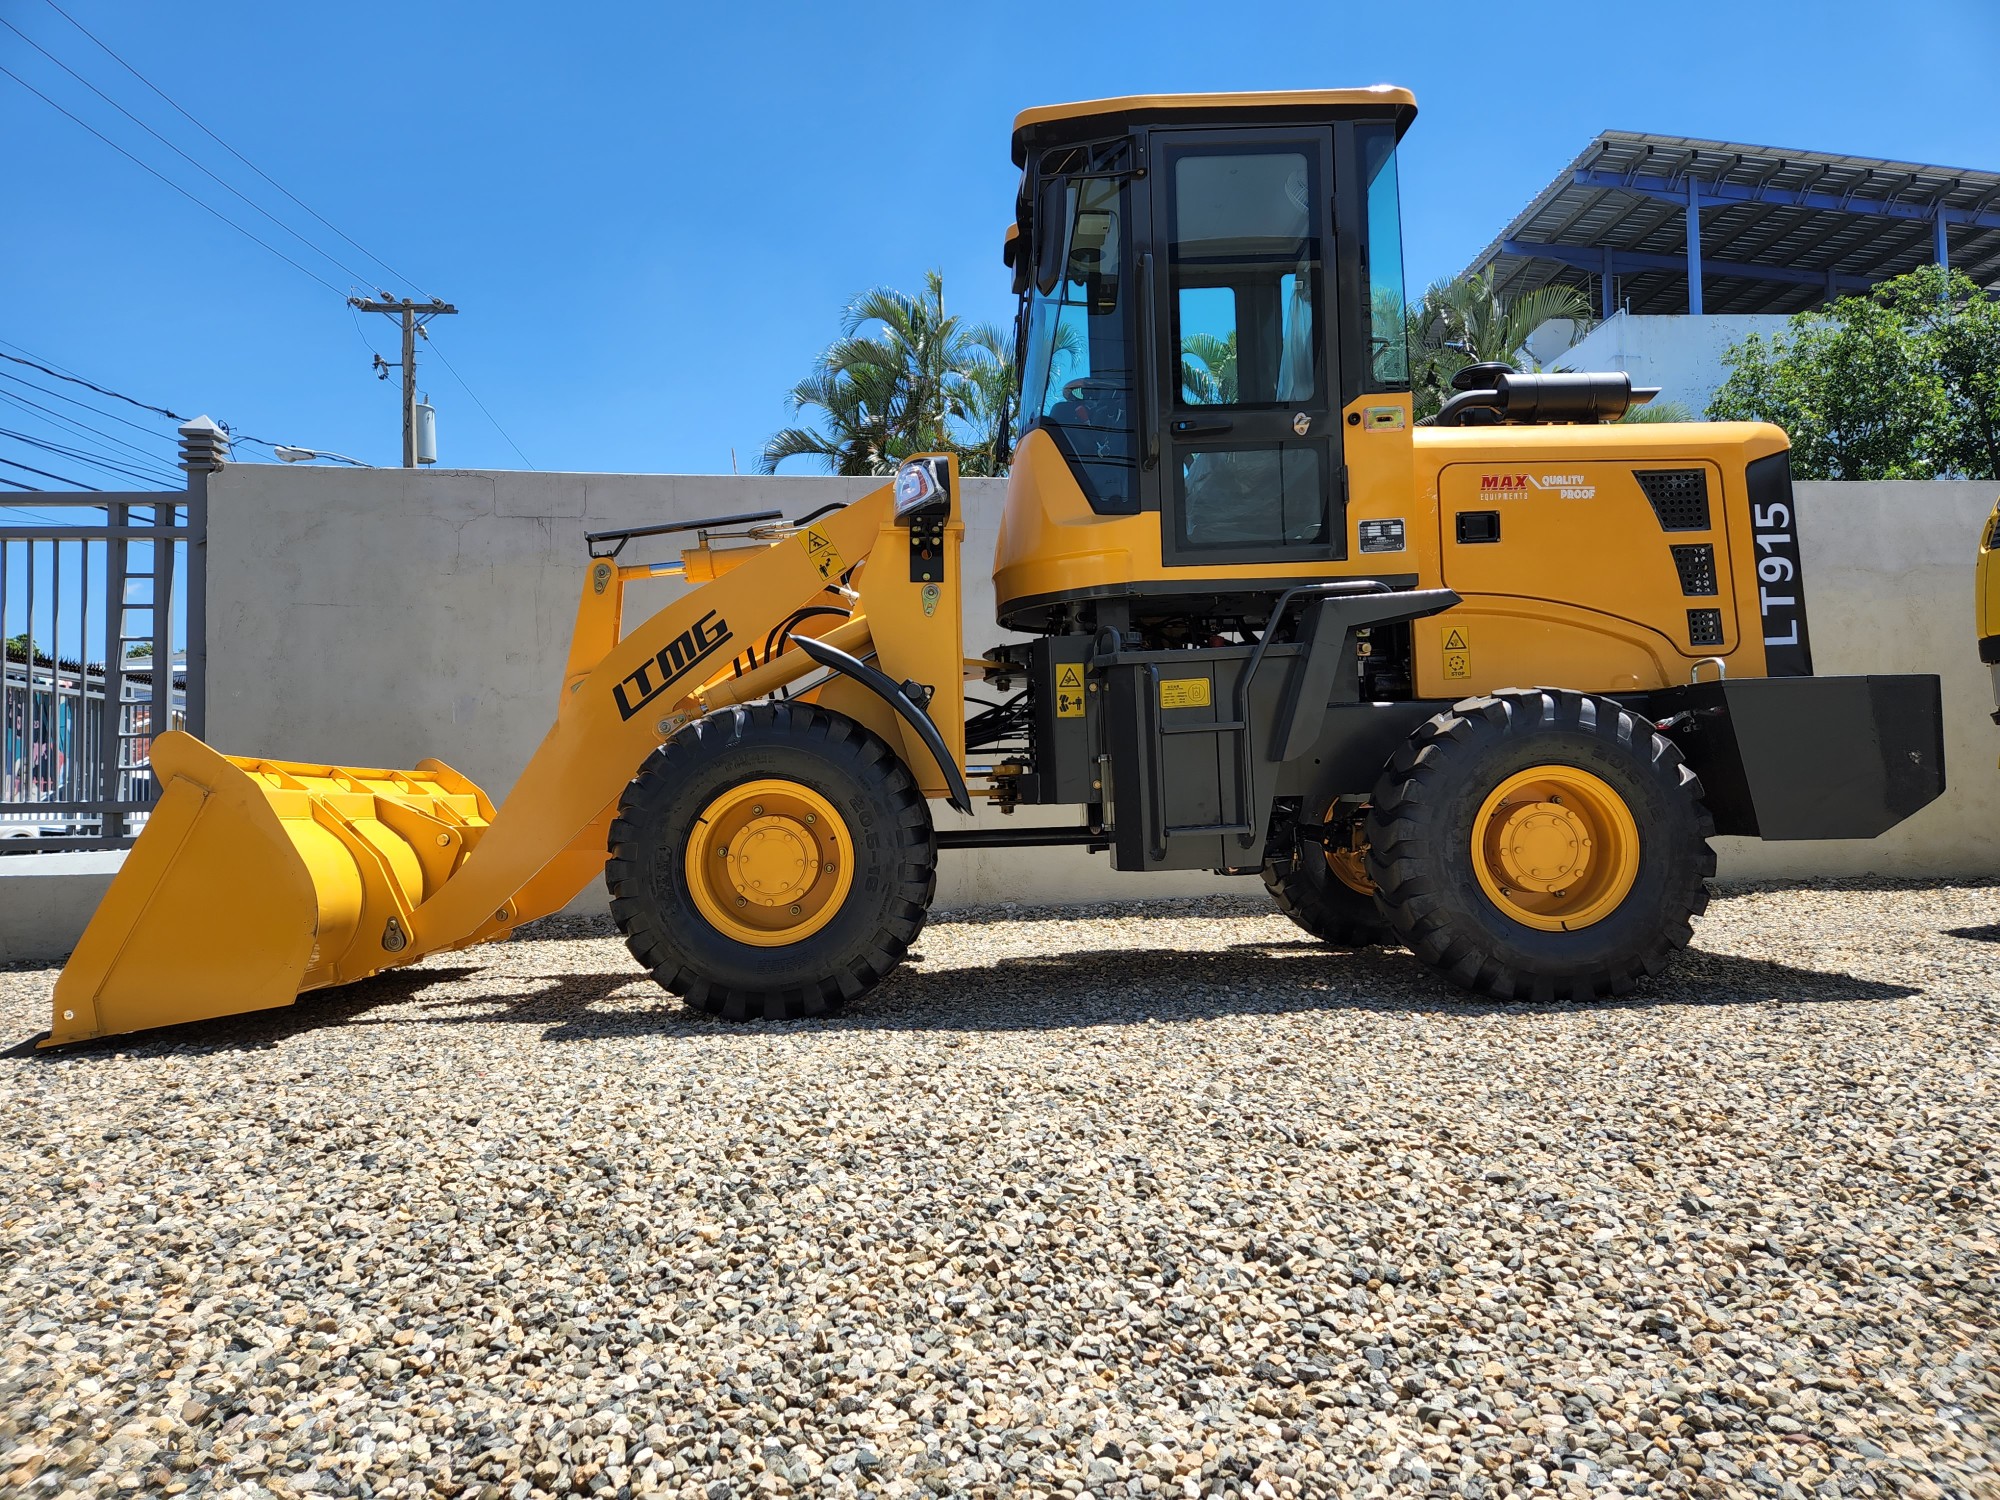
825,556
1069,691
1457,655
1185,692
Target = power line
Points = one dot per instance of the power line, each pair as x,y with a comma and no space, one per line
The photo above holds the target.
149,461
232,150
75,484
226,185
17,508
49,413
80,455
109,416
171,183
92,385
480,404
57,374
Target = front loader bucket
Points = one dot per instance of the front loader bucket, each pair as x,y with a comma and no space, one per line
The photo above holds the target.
256,880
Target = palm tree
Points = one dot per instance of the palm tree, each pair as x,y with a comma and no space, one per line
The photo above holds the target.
987,392
899,380
1658,411
1208,368
1463,322
856,437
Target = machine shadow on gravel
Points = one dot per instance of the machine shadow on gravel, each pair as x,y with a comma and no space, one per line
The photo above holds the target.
1102,987
261,1029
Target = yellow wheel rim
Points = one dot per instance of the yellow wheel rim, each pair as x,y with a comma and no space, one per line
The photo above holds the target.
769,863
1555,848
1349,861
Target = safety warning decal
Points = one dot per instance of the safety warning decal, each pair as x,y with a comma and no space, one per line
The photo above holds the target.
825,556
1069,691
1184,692
1457,654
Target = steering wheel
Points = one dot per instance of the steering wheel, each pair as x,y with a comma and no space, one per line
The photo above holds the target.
1083,385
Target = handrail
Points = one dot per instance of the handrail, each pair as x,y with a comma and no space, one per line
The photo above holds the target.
625,534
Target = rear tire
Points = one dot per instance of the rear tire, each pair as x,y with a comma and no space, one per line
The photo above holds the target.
840,837
1541,845
1321,890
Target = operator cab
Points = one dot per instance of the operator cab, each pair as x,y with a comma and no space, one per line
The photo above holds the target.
1207,283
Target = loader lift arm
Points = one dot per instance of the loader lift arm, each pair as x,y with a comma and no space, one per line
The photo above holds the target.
336,873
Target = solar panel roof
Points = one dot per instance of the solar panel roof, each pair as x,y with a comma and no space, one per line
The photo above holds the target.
1781,230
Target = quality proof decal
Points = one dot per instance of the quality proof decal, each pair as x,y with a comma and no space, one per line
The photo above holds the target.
1563,486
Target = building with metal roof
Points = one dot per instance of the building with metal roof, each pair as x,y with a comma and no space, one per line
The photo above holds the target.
1773,231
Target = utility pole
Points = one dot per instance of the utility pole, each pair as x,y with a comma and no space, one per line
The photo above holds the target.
414,315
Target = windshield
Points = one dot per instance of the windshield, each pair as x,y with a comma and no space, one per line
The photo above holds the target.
1390,355
1077,363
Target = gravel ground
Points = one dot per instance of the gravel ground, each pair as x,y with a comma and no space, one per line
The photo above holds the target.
1148,1201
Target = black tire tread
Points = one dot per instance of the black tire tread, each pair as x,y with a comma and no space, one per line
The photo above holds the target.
1318,905
835,737
1405,871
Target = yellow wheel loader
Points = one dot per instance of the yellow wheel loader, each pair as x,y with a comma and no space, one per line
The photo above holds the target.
1484,685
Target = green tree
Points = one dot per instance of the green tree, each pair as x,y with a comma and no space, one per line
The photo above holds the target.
1900,383
1464,321
1657,411
904,377
988,398
1208,367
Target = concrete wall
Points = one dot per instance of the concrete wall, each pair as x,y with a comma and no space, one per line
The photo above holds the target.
1888,575
46,899
1680,355
377,617
380,616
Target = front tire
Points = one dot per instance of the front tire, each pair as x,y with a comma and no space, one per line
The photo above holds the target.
1541,845
771,862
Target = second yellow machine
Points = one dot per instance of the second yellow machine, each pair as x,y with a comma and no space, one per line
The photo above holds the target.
1485,686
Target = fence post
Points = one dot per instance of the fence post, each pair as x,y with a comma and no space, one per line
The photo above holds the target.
204,450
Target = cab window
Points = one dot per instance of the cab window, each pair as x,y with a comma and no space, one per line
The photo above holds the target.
1077,360
1382,252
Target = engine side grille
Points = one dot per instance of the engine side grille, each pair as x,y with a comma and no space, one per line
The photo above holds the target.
1679,497
1704,627
1696,565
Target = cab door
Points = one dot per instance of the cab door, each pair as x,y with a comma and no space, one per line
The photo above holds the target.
1244,347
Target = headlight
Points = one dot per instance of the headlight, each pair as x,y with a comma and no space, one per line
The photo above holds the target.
922,484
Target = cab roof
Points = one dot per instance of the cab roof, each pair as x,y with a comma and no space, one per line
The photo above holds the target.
1053,123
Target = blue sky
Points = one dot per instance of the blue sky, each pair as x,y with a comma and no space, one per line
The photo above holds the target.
650,216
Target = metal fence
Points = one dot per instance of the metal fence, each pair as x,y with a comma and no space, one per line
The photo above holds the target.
101,604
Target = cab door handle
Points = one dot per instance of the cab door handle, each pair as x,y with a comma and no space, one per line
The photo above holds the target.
1189,428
